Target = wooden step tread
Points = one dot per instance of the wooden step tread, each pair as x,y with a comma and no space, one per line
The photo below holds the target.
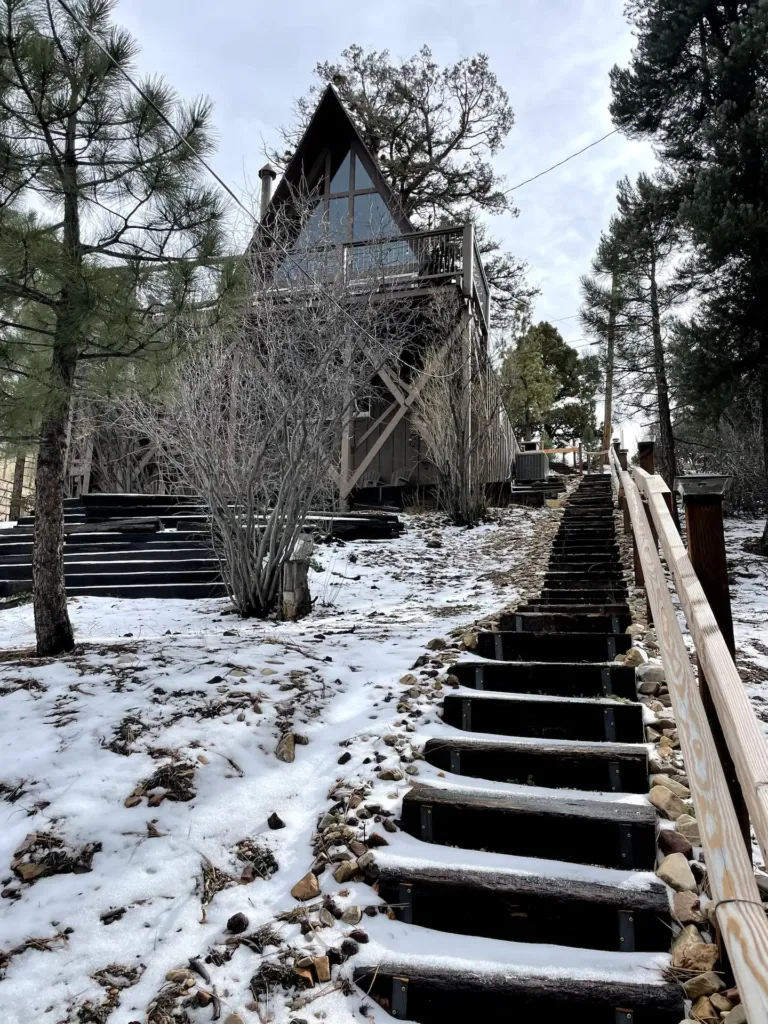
589,647
552,763
545,715
471,979
566,679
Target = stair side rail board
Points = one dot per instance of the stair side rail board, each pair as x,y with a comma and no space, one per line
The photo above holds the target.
739,910
744,736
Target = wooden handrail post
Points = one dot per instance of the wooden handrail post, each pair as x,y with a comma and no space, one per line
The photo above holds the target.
581,459
623,454
703,504
645,457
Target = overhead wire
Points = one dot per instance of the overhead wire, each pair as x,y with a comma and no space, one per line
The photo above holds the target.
561,162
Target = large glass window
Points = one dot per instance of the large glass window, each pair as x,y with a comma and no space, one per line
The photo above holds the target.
340,180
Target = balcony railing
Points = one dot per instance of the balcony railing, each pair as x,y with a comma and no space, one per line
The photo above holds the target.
440,256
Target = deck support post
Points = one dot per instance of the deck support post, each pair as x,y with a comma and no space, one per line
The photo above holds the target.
703,504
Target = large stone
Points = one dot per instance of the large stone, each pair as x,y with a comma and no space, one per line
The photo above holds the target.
666,802
352,915
345,871
738,1015
671,841
438,644
689,827
686,908
286,748
635,656
322,968
676,787
675,871
635,629
702,985
704,1011
691,953
233,1018
307,888
720,1002
651,672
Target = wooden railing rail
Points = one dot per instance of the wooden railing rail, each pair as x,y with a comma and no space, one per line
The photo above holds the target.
738,908
743,732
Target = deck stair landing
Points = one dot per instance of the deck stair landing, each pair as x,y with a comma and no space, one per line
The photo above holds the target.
524,889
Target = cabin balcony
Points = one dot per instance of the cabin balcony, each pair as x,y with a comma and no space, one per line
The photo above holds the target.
410,263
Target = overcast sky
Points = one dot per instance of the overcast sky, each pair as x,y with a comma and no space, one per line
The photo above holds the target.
552,56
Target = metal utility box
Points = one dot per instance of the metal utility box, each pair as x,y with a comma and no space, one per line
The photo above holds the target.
531,466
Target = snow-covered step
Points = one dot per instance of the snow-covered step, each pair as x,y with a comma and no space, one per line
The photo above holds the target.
525,899
566,718
515,646
585,828
432,977
572,764
563,679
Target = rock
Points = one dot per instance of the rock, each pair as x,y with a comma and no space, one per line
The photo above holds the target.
322,967
433,543
358,935
648,689
738,1015
237,924
438,644
326,918
374,839
286,748
666,803
674,870
470,641
352,915
346,756
702,985
391,775
651,672
703,1010
133,800
389,825
720,1002
409,679
635,656
345,871
688,826
307,888
686,908
233,1018
671,841
635,629
181,976
691,953
676,787
275,821
651,734
366,860
732,995
305,976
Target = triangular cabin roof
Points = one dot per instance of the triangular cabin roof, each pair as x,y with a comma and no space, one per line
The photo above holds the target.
331,129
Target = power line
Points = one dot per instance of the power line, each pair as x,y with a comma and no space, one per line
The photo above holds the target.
561,162
148,99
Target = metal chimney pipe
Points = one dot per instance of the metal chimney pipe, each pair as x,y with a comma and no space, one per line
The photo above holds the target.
267,175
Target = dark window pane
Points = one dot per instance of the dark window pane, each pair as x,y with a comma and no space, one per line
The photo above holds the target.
372,218
340,180
362,179
338,220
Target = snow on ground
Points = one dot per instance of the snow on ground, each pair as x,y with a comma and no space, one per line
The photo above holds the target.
748,575
143,767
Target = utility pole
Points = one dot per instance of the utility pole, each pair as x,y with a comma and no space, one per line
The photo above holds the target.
610,356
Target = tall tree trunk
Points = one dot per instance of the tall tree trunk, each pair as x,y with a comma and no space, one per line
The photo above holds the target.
53,629
14,512
764,422
610,356
666,459
52,626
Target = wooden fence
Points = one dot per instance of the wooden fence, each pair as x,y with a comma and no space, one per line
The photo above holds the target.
738,908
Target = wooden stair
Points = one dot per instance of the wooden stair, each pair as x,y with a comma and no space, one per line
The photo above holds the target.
524,886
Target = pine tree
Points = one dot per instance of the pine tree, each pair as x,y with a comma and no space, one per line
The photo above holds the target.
118,247
696,87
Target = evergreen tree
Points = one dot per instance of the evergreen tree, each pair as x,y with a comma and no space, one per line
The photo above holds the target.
696,86
433,130
118,247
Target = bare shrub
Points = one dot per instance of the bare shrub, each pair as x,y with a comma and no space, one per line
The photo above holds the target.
255,412
460,415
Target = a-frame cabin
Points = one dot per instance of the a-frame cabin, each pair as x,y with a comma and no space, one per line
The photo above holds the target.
383,449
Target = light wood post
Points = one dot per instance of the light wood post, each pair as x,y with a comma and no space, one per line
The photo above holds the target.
706,550
14,511
624,463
